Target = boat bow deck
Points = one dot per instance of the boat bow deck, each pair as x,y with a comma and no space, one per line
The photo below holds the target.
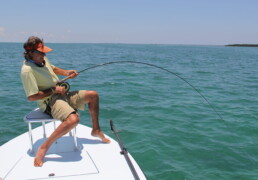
93,160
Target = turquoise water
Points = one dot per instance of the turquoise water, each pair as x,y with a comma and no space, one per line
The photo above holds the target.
166,125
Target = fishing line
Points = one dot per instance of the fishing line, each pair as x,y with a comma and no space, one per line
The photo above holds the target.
152,65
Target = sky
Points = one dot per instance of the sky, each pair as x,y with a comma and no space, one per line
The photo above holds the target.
195,22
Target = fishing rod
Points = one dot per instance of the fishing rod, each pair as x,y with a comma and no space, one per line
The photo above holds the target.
124,152
67,86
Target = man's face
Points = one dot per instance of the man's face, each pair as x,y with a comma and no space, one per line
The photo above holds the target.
38,56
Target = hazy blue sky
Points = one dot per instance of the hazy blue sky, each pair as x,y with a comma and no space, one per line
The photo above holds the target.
131,21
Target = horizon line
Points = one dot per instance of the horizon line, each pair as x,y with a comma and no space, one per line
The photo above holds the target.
126,43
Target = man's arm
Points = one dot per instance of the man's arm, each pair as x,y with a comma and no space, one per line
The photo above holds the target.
47,92
41,94
62,72
57,89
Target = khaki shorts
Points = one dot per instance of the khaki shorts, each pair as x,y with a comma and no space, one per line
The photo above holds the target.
63,105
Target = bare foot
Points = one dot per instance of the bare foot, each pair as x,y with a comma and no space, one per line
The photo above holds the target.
99,134
39,159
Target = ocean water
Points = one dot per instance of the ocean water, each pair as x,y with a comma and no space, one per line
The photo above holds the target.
170,130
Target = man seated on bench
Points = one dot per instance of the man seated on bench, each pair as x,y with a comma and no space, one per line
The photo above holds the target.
39,78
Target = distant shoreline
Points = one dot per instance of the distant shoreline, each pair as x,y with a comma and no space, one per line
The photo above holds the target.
243,45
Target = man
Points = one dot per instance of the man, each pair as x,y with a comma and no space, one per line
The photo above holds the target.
39,78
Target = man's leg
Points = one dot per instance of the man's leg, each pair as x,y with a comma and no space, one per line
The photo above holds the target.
92,99
61,130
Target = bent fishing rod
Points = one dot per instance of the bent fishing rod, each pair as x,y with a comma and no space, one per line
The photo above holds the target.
67,86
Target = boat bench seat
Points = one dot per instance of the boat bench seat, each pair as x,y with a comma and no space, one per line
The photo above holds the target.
37,116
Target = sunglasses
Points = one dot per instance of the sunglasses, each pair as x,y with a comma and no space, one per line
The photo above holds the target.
36,51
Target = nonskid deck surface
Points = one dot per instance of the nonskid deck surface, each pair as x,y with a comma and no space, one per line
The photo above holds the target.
93,160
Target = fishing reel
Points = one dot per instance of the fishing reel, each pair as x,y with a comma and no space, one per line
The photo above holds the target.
66,85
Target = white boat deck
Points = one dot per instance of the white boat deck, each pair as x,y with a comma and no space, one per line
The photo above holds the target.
93,160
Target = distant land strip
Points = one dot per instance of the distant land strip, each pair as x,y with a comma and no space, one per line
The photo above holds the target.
243,45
